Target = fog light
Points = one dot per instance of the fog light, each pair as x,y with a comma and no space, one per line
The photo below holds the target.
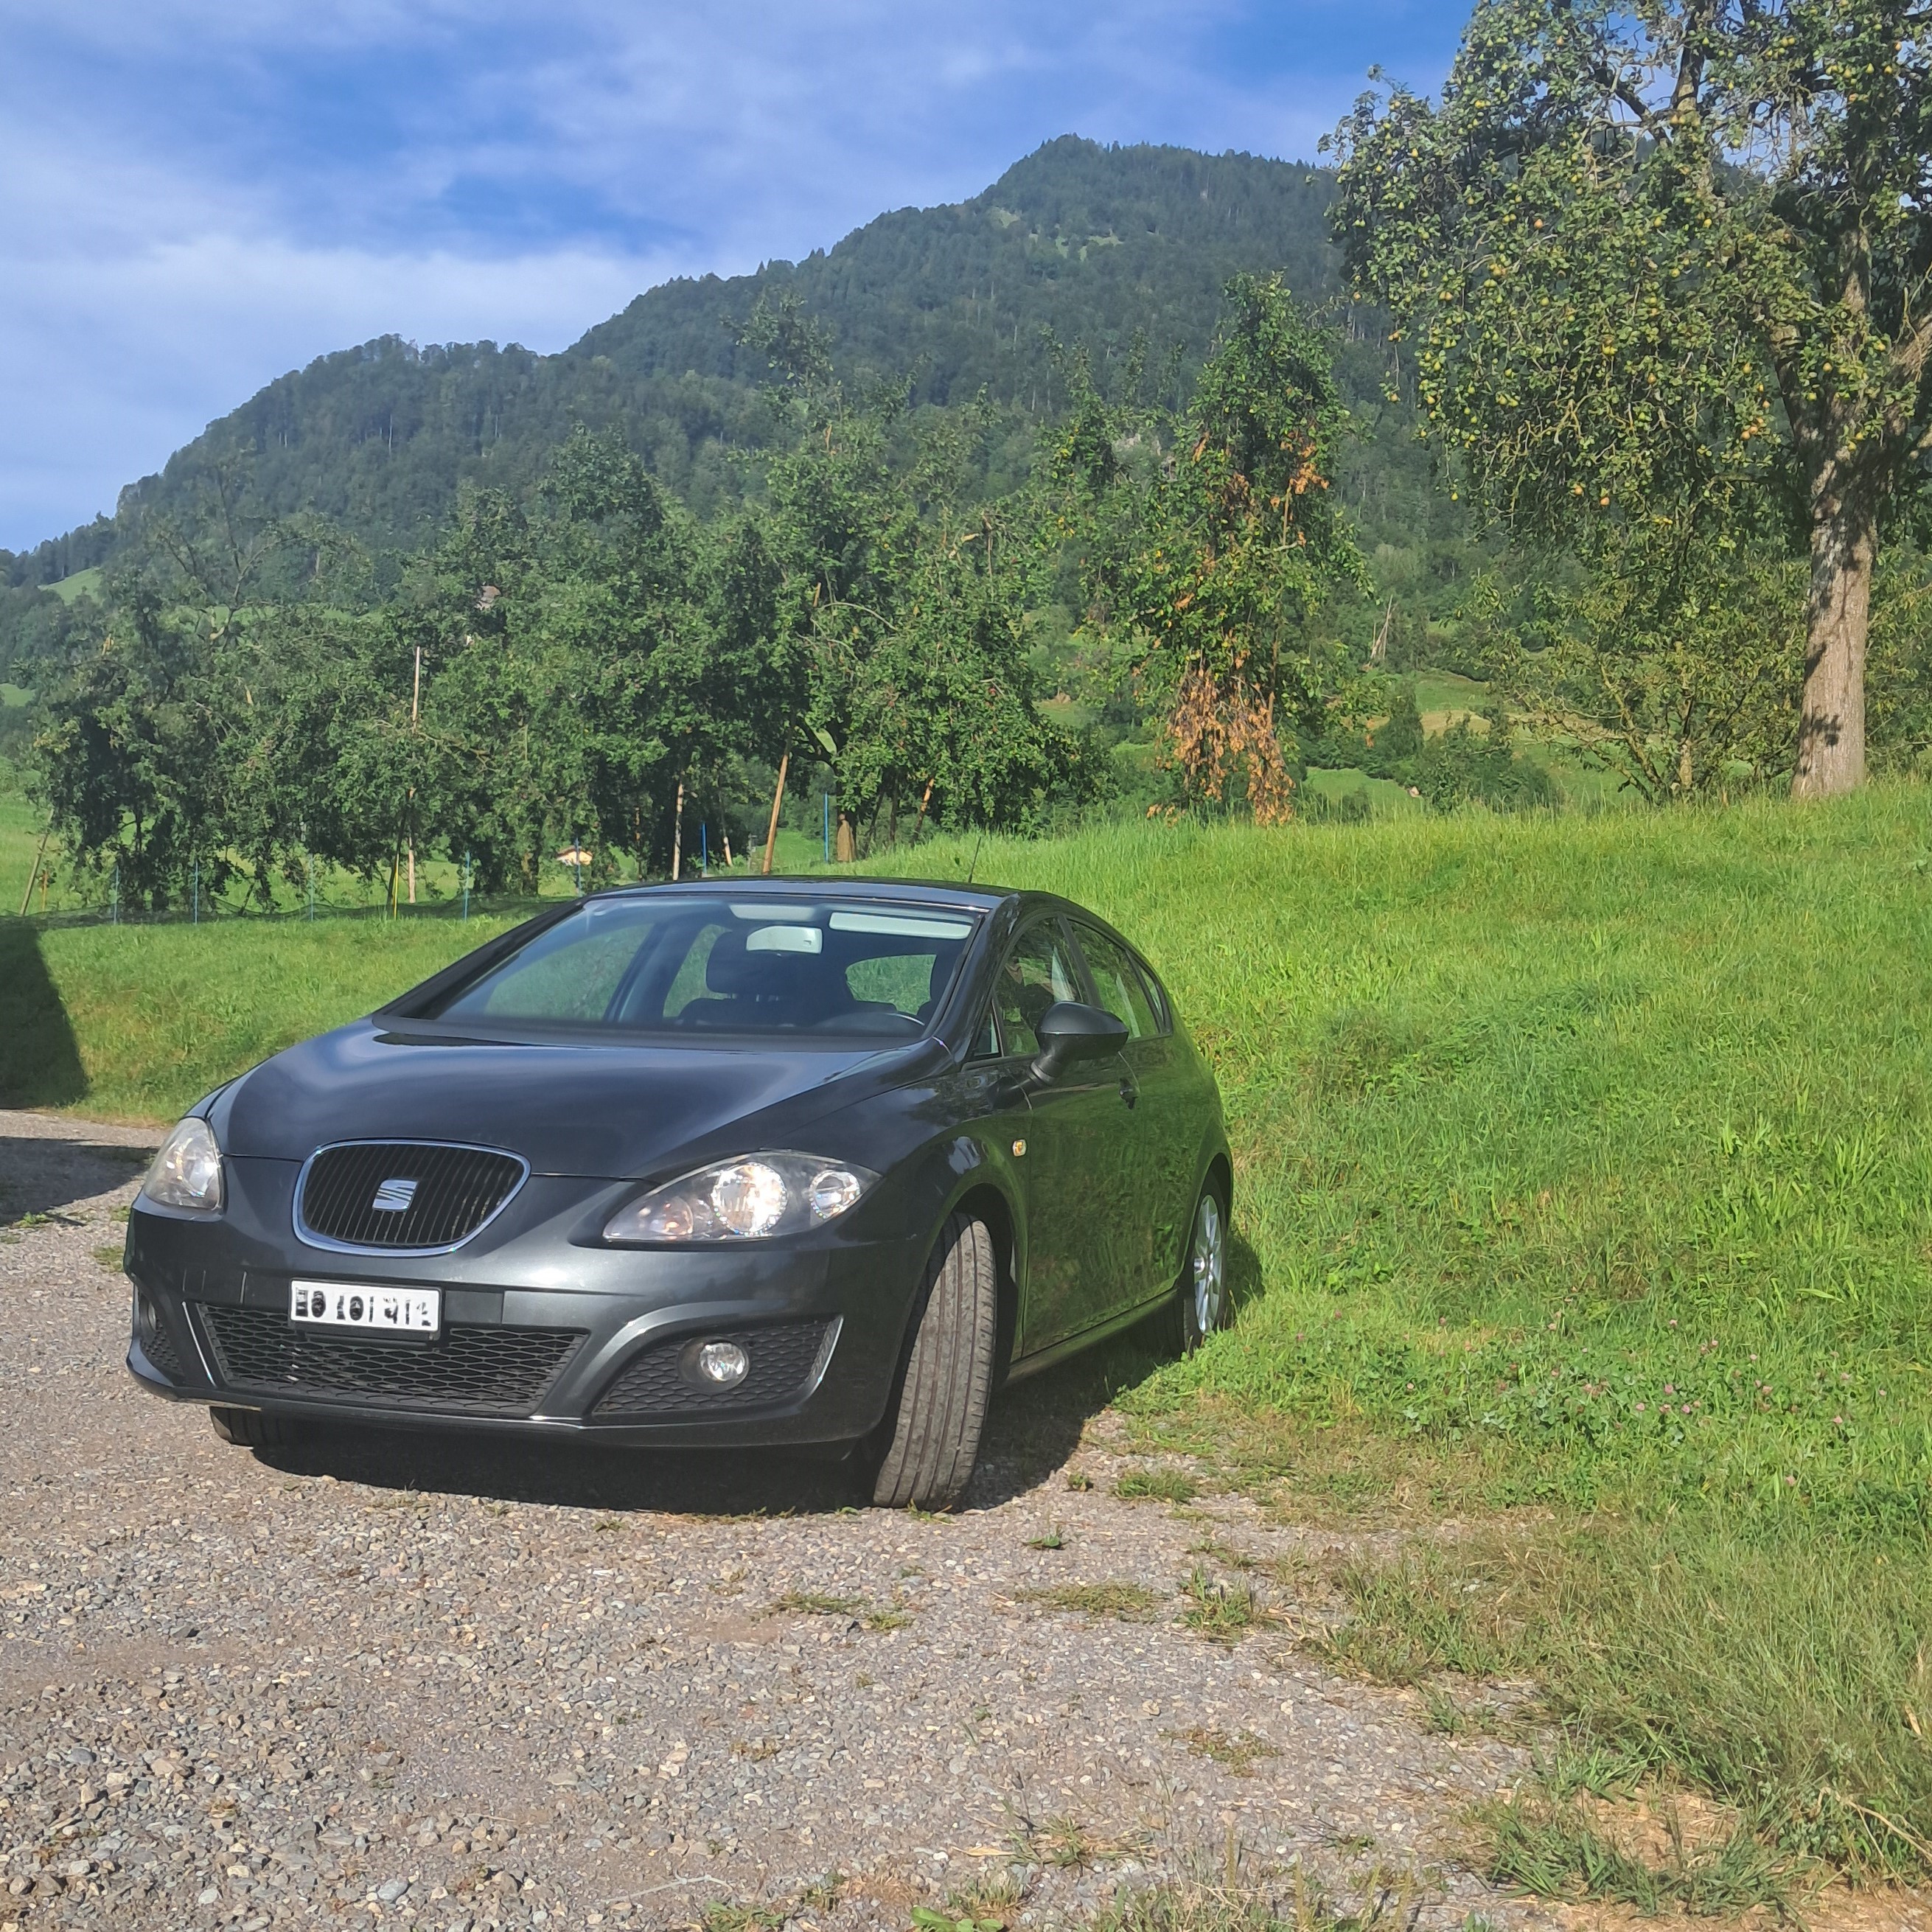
723,1364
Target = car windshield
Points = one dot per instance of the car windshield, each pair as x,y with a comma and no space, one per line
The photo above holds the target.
682,965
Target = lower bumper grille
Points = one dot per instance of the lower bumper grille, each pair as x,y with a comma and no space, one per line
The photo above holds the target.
785,1357
151,1331
473,1371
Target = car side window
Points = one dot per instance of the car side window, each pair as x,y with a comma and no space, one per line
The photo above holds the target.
1118,983
1037,973
986,1043
1157,999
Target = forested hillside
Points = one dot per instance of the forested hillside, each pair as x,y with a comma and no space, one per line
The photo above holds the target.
1092,244
1072,497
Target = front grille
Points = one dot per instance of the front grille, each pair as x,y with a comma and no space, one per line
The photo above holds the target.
478,1371
438,1196
653,1383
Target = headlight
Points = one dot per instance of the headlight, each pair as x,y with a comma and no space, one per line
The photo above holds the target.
747,1199
187,1172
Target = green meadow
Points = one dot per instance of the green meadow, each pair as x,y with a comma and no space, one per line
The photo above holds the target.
1584,1208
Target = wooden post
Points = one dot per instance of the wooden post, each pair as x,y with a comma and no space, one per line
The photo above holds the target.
677,833
415,709
778,799
27,897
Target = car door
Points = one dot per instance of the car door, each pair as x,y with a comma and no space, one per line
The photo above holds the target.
1080,1217
1164,1139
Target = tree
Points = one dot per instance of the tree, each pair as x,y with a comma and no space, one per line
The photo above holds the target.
127,760
1211,539
941,717
1661,267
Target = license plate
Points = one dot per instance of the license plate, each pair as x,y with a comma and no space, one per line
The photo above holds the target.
337,1304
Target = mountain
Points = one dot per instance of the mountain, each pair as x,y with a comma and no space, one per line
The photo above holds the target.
1093,243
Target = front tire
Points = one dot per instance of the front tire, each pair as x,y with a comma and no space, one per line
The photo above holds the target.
948,1374
249,1429
1202,1290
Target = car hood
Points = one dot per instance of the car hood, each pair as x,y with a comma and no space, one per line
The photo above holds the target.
616,1111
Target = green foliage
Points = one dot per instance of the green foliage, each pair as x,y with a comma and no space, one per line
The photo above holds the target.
1457,766
1207,556
1466,767
1214,555
1683,687
910,612
1657,269
595,665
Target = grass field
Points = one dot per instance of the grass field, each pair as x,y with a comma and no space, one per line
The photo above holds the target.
1584,1196
83,582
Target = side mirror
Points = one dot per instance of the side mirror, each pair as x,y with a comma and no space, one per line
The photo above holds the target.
1070,1033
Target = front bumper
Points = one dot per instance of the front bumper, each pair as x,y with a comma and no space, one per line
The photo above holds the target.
543,1333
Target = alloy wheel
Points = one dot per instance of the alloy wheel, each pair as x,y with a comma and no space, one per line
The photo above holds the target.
1208,1264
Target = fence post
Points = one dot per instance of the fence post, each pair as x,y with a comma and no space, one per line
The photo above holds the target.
194,918
114,898
465,885
825,799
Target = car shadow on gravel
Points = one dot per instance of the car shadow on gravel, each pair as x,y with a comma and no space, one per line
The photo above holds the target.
1032,1430
41,1177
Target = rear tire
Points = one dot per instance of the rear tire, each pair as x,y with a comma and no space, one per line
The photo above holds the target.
1201,1295
948,1374
249,1429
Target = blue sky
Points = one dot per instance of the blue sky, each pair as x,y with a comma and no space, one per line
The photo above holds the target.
196,195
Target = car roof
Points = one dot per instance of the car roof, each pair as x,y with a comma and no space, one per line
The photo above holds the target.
927,891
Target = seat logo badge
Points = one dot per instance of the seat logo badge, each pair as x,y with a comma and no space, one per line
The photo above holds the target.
395,1195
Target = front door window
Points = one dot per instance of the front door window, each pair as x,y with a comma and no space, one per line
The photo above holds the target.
1038,974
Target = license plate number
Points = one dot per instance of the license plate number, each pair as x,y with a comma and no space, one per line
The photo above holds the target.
336,1304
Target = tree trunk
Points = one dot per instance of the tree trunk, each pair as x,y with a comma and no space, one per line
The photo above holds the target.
677,833
1832,720
778,799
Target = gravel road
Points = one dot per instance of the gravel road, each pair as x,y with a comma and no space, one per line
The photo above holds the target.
451,1684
